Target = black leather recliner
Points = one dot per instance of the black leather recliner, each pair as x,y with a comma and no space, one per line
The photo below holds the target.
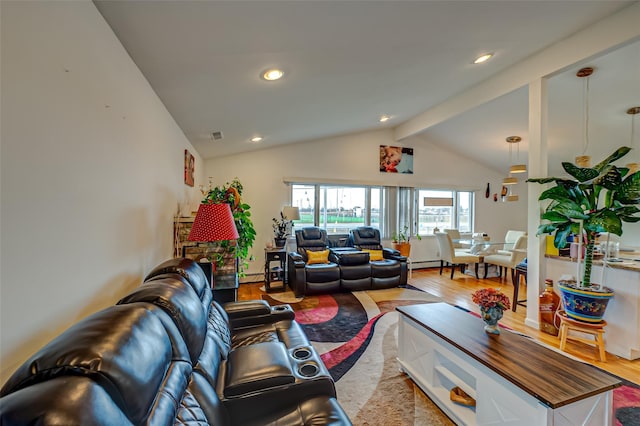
390,272
315,278
168,354
349,268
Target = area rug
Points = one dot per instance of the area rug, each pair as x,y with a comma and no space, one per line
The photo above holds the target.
356,335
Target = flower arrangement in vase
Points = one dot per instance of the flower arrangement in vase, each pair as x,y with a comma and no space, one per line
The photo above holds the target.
492,304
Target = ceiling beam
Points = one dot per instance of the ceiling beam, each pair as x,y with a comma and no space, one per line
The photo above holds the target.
605,35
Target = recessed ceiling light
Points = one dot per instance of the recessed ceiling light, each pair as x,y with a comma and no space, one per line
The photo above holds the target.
483,58
272,74
384,118
256,139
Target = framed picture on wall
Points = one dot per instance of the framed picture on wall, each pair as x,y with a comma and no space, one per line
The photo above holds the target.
396,159
189,167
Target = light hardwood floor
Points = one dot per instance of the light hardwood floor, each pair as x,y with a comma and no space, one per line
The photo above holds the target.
458,292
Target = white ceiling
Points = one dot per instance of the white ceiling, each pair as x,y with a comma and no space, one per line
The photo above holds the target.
348,62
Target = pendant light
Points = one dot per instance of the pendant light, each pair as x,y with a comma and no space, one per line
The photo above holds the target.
633,166
516,168
584,160
510,180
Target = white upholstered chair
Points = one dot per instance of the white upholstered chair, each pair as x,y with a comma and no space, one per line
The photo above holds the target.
511,260
454,257
455,235
509,241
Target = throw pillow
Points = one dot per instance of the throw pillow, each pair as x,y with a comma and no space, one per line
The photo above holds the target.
315,257
375,254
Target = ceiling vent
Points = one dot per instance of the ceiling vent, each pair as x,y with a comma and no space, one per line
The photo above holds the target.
216,136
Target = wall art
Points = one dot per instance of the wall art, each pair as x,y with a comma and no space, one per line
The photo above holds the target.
189,168
396,159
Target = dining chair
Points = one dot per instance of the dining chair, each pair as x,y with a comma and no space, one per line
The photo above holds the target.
510,239
452,256
511,260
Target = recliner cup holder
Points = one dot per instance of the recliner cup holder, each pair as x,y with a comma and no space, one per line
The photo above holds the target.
301,353
308,369
279,308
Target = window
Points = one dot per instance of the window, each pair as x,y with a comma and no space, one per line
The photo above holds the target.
337,208
340,208
444,209
304,197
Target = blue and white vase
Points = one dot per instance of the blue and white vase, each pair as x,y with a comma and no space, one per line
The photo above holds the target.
491,316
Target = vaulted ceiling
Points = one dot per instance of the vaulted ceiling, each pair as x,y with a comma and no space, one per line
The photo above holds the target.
346,63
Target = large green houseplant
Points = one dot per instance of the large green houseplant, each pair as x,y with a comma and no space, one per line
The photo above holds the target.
597,199
231,193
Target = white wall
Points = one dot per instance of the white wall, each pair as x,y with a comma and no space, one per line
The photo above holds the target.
355,158
91,173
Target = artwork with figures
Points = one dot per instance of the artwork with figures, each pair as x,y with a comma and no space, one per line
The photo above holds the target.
396,159
189,168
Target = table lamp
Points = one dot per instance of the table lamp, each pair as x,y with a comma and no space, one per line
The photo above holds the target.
290,214
213,222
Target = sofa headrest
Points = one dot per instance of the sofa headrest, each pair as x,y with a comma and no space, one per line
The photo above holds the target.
366,237
311,237
188,268
181,303
44,405
311,233
366,232
126,349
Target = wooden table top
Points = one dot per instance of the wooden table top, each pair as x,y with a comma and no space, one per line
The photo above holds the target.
549,376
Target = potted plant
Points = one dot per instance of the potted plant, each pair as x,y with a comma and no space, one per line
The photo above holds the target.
597,199
401,241
231,193
280,230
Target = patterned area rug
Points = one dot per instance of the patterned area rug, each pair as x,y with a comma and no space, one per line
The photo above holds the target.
356,333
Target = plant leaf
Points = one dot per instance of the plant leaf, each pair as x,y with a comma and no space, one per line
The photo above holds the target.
554,216
581,174
605,221
560,240
556,193
548,228
611,179
544,180
617,154
628,192
568,208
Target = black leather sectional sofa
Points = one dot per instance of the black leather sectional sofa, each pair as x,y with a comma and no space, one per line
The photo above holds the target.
168,354
348,268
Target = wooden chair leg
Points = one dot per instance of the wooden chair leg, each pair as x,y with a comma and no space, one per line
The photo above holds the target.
453,268
513,276
441,265
485,271
477,277
516,288
600,344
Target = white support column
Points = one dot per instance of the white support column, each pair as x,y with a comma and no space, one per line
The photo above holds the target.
538,161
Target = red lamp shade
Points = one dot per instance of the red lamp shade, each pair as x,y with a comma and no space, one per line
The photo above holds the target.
213,222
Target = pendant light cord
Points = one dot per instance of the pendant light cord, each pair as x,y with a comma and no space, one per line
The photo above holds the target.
586,115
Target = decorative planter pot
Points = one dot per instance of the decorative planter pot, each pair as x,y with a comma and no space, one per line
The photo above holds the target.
585,304
491,316
280,242
404,248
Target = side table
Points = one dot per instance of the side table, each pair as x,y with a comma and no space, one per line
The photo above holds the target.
224,286
279,255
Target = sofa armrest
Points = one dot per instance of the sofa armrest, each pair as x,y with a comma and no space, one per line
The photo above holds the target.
247,308
296,260
275,314
394,254
256,368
